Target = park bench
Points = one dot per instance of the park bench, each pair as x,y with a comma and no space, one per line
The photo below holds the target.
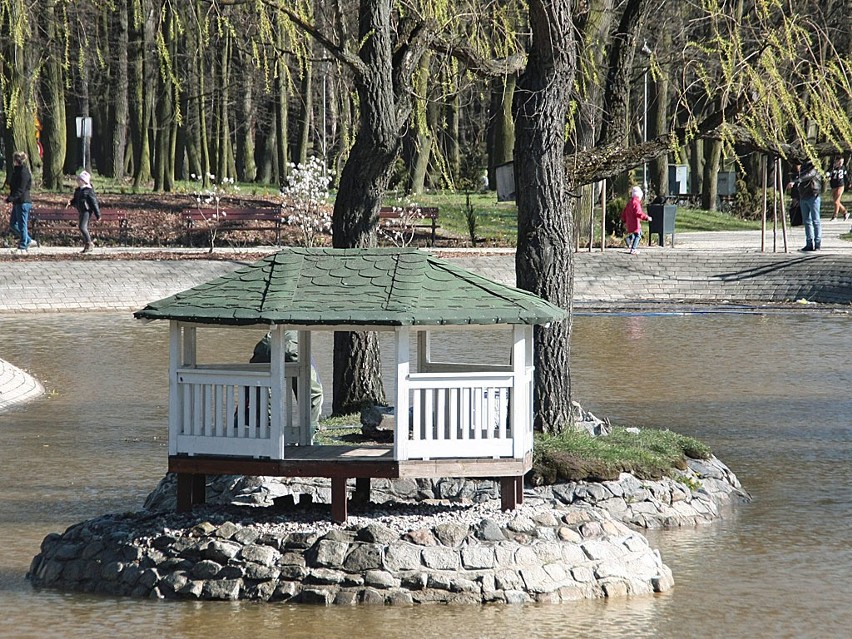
204,220
425,217
45,220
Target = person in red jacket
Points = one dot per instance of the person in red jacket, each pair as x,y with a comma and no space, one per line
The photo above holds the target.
632,216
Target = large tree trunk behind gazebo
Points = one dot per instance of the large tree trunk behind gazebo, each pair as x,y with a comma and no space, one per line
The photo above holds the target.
365,176
357,362
544,259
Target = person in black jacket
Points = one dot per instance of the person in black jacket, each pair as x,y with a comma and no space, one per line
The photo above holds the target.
809,184
86,203
19,196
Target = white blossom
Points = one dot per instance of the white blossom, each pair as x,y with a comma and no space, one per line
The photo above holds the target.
304,199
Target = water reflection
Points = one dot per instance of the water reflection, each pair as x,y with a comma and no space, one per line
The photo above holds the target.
769,394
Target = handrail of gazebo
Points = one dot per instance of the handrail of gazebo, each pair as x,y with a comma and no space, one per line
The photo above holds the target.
466,415
226,410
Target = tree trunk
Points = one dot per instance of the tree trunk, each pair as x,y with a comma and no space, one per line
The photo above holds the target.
658,97
452,148
121,106
357,367
695,157
164,139
544,259
300,153
223,100
246,165
710,182
502,127
16,67
420,123
53,90
282,156
141,41
593,26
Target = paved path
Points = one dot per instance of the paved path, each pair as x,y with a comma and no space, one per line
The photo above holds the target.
720,267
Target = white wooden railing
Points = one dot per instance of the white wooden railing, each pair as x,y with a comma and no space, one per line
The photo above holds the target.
468,415
226,410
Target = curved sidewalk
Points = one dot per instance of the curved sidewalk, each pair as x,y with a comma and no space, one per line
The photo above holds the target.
16,386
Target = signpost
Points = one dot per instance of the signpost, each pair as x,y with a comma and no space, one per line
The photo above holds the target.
84,132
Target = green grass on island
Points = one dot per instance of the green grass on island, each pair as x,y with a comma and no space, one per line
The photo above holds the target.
649,453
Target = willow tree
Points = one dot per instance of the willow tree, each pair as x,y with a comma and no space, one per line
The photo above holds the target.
17,80
769,77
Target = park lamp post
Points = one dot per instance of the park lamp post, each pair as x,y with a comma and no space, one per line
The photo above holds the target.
647,51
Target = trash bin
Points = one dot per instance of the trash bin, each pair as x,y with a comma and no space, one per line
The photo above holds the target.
662,222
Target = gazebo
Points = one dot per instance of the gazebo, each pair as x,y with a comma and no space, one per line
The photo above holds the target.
451,419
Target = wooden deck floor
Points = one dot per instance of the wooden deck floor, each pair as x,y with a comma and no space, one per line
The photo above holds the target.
340,463
348,461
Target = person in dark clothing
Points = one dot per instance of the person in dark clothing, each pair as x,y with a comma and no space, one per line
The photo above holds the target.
263,355
86,203
19,196
795,209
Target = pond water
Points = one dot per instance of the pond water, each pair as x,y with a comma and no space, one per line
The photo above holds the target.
771,394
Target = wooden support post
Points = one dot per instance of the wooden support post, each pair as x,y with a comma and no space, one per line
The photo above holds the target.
199,489
362,491
184,492
339,507
191,490
508,493
519,490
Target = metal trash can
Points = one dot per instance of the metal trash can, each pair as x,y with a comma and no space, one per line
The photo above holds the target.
662,222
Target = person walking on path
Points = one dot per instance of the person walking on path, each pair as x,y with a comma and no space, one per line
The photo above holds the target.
632,216
809,183
19,196
837,182
86,203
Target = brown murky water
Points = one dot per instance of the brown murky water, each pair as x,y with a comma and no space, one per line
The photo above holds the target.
771,394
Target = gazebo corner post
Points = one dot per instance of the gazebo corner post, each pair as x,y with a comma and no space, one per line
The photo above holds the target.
306,427
276,393
175,404
521,400
403,370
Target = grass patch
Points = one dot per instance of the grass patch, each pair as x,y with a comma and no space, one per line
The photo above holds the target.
698,220
573,456
496,222
648,454
339,430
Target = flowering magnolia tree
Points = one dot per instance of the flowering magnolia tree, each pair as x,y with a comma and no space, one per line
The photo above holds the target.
208,203
304,200
400,228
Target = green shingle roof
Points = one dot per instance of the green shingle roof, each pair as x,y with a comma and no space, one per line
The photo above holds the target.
364,287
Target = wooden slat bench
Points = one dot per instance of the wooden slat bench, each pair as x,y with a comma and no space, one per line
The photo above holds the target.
426,218
116,220
203,220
